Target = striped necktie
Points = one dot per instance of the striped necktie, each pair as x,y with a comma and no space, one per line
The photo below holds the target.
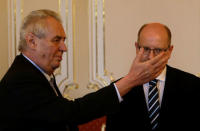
154,106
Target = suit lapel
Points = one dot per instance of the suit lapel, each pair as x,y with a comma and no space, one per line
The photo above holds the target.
169,94
145,109
169,88
142,110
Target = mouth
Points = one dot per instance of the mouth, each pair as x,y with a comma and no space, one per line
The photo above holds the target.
59,58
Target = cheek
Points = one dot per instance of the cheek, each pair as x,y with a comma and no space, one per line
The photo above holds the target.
44,56
54,55
47,56
43,50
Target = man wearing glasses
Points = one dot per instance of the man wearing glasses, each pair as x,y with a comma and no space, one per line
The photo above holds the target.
167,103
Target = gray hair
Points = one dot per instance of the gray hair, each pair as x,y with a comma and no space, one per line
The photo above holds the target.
36,24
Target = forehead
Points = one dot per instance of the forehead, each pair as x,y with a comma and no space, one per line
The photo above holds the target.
154,36
54,28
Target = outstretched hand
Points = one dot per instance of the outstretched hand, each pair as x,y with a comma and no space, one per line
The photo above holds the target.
143,71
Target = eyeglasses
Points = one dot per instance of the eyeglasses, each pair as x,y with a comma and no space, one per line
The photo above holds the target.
156,51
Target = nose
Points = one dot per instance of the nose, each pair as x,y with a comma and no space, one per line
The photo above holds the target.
151,54
63,47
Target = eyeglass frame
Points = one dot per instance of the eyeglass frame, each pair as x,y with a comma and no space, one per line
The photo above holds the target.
156,51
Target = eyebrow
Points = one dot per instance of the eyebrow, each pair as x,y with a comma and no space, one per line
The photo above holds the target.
59,37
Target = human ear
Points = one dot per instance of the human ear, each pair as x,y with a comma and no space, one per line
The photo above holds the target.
31,40
171,49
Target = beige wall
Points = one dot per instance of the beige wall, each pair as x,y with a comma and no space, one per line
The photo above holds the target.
124,18
3,37
29,5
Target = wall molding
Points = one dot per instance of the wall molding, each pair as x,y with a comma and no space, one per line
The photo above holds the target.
98,76
14,22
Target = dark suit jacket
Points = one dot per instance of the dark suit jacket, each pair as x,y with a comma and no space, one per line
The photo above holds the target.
28,102
179,109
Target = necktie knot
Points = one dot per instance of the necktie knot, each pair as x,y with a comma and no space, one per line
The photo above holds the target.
153,83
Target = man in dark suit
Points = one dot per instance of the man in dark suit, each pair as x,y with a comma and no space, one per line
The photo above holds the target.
31,101
176,107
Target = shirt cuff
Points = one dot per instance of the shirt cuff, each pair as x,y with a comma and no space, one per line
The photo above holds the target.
118,94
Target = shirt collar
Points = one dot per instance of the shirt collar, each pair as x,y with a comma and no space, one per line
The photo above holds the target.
161,77
47,76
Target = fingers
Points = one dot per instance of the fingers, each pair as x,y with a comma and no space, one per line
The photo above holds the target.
160,59
157,58
143,72
158,63
163,60
139,56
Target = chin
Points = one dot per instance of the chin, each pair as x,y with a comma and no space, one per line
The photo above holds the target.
56,65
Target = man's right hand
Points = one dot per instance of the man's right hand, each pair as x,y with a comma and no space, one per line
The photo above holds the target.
142,71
